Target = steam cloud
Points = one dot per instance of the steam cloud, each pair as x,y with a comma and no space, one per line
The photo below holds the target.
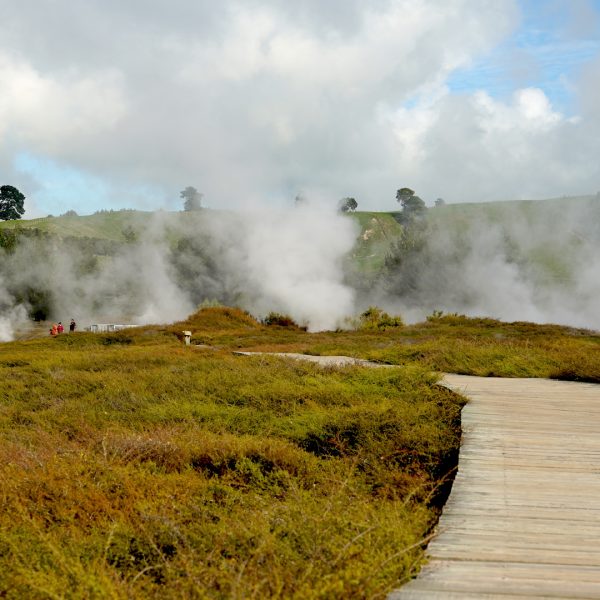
286,261
10,313
539,266
534,262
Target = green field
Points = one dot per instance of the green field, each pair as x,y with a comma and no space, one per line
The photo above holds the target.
378,230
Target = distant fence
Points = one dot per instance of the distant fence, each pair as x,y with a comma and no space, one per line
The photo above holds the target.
108,327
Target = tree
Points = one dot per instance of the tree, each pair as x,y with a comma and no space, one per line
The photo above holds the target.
11,203
412,206
193,199
348,204
404,194
440,202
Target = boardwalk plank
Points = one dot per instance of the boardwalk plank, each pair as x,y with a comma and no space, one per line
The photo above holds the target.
412,594
523,518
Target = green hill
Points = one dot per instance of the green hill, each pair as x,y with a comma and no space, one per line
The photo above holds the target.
554,237
527,211
377,229
546,243
106,225
376,226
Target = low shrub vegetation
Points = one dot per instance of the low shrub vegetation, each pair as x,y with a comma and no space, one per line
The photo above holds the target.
444,343
133,466
141,468
281,320
375,318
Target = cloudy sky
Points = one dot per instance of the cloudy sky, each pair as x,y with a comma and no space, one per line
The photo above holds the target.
110,104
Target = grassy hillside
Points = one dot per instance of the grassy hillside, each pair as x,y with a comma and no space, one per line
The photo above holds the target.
553,237
103,225
544,249
568,214
528,209
378,229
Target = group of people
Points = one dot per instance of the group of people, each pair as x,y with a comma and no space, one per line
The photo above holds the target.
58,328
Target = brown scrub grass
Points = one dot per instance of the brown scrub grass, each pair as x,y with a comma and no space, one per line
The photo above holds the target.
444,343
132,466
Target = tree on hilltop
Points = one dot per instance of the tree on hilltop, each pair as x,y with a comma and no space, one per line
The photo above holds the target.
11,203
412,206
193,199
348,204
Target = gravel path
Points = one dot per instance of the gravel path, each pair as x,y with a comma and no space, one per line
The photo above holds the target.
325,361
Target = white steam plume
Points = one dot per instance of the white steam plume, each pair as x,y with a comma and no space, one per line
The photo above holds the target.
291,262
287,261
12,315
529,262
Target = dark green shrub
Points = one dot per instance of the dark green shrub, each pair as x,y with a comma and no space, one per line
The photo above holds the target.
375,318
281,320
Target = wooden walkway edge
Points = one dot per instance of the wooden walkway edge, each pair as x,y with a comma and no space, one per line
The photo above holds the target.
523,518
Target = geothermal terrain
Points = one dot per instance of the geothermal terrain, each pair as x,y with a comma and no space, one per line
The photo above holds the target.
522,260
136,466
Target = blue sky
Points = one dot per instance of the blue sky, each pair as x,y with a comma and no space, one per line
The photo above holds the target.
547,51
67,188
64,187
239,100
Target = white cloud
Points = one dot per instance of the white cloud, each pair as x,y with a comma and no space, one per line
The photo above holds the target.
475,147
243,100
529,111
256,100
45,113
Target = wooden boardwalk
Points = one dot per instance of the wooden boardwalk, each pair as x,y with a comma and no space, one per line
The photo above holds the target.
523,518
